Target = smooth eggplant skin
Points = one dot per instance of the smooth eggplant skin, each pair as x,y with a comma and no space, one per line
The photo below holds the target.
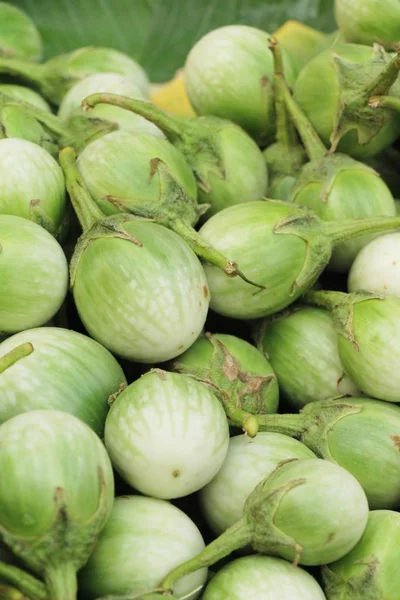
247,463
167,435
66,371
33,274
369,21
375,365
355,192
377,267
377,554
326,514
124,85
246,174
244,232
301,345
27,173
266,577
118,164
146,303
228,73
50,451
317,90
144,538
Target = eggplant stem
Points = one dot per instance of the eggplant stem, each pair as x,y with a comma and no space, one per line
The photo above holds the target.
208,252
86,209
390,102
287,424
62,582
314,147
234,538
346,229
9,359
30,586
384,81
285,131
169,125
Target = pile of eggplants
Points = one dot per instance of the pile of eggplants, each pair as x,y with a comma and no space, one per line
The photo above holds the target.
200,317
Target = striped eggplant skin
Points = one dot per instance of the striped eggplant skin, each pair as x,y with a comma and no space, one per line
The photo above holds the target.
19,37
146,303
369,21
266,577
123,85
167,435
301,345
33,274
370,570
59,489
373,361
143,540
345,189
228,73
247,463
66,371
119,164
245,233
316,510
31,180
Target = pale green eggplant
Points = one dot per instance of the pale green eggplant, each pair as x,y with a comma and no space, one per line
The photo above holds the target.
227,164
238,374
53,520
301,345
229,74
33,274
167,434
370,570
247,463
143,539
59,369
369,336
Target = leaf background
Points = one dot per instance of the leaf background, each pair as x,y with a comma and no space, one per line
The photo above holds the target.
159,33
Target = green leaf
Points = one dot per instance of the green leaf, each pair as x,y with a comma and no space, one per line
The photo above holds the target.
159,33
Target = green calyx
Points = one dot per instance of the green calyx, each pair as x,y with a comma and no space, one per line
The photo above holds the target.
312,425
107,227
196,138
242,394
174,209
341,306
324,171
321,236
363,586
47,130
286,156
260,510
359,84
59,554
